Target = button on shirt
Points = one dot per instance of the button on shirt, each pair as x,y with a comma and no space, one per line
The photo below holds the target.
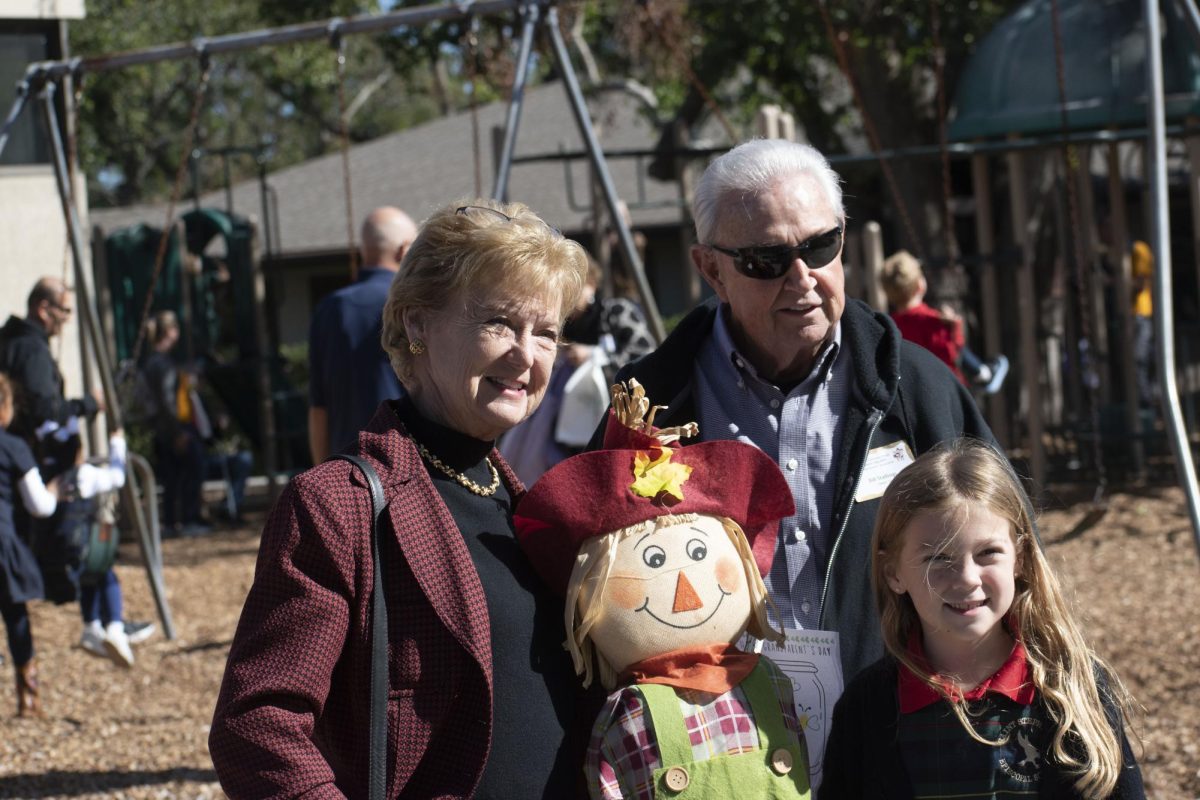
801,430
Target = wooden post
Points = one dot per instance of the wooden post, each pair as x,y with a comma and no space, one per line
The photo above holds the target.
766,121
691,276
265,393
1193,151
872,264
985,235
1027,303
1118,234
1094,275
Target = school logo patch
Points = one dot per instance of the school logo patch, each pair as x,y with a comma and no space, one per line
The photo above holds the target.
1024,752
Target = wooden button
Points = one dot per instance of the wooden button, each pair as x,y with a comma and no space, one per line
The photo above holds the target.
677,779
781,761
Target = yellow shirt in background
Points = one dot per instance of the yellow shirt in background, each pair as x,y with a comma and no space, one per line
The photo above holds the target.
1143,271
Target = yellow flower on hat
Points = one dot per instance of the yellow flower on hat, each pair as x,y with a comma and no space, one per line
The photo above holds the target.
658,476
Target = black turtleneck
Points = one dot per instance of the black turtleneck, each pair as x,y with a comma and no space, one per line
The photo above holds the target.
535,689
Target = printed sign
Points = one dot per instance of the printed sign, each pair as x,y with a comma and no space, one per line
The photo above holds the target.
883,464
813,662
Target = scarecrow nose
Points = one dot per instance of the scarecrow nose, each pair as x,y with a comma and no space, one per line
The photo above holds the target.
686,598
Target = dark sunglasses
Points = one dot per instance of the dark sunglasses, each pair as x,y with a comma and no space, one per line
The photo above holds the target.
769,262
485,212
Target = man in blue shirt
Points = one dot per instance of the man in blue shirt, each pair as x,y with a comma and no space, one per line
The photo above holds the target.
349,372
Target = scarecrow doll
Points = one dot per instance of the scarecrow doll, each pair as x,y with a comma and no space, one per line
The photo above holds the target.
659,552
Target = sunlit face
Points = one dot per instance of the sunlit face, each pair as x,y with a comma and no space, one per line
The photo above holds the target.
679,586
56,313
780,324
959,568
487,360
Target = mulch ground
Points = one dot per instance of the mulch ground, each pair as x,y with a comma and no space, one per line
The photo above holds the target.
142,733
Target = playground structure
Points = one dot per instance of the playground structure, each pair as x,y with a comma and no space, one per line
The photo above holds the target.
41,81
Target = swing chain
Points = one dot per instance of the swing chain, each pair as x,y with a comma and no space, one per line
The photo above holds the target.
337,43
205,64
872,132
1072,164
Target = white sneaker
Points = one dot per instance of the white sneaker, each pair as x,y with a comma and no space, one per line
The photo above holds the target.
138,632
116,643
91,641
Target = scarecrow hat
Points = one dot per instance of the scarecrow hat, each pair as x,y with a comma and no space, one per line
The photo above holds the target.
637,477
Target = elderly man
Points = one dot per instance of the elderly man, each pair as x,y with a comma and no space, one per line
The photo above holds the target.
26,358
349,373
823,384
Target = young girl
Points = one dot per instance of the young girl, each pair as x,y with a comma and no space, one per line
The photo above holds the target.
82,484
20,579
988,689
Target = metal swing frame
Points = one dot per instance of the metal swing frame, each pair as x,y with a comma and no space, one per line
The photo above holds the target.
41,79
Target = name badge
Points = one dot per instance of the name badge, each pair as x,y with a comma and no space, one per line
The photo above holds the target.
812,660
883,464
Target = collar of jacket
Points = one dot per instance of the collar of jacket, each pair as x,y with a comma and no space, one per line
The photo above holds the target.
870,337
20,327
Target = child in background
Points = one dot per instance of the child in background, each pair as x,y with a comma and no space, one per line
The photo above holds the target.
20,578
939,332
988,689
105,633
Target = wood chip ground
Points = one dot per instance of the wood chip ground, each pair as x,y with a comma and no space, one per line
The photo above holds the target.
1133,576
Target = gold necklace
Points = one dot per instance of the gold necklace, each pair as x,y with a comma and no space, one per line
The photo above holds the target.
458,476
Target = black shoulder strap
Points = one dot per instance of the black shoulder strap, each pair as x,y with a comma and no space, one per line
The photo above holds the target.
377,777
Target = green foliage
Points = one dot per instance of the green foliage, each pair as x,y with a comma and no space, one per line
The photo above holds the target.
132,121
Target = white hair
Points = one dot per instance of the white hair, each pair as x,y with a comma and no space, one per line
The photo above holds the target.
753,167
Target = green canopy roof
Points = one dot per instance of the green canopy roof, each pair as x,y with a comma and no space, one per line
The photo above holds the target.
1010,85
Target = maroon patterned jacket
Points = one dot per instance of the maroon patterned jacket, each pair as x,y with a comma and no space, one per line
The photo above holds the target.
292,716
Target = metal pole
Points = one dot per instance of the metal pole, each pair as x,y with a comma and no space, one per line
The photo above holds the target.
91,322
600,166
1164,324
23,92
529,15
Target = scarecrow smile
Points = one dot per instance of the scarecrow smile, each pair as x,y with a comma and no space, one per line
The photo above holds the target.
646,607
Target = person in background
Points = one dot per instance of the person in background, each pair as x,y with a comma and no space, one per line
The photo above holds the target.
20,577
85,490
349,373
482,699
180,427
602,335
1142,269
785,361
940,331
988,688
26,359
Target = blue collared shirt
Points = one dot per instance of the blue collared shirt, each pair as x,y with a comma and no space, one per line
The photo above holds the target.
801,430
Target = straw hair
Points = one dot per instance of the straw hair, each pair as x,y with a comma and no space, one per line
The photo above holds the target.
1064,668
456,255
593,565
900,277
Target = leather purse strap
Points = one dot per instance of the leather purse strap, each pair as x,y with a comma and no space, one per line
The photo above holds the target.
377,771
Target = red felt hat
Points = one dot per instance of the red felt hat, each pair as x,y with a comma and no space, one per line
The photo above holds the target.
592,494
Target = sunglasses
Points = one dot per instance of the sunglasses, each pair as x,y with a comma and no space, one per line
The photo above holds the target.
483,212
769,262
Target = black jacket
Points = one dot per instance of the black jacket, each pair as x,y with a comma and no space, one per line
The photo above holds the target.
862,759
901,392
25,358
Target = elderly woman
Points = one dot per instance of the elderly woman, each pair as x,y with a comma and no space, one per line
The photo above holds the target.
482,696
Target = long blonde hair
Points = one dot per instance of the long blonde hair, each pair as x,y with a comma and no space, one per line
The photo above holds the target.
593,566
1062,665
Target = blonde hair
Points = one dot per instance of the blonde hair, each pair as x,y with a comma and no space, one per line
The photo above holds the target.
1063,666
900,277
593,565
6,392
158,325
455,254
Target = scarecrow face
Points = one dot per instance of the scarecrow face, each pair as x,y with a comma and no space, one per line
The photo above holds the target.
679,586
